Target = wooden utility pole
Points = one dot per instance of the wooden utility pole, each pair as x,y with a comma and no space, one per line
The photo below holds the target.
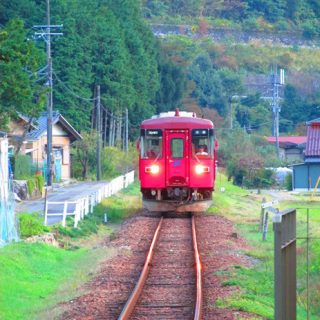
98,134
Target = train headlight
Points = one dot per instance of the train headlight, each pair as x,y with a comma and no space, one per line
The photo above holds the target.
154,169
201,169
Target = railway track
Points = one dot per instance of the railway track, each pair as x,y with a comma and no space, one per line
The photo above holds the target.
169,286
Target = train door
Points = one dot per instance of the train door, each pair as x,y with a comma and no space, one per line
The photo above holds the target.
177,157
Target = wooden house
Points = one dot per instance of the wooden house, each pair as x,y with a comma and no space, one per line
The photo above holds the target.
34,143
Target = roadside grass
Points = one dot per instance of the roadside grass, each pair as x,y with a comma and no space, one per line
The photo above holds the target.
255,284
35,277
30,273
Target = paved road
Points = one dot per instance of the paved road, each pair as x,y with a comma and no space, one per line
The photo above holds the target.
70,193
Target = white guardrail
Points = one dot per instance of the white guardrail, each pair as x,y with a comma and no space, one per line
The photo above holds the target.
81,207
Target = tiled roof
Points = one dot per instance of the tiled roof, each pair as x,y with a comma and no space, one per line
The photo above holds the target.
313,139
42,126
289,139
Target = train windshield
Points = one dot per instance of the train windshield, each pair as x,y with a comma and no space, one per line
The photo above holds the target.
202,143
151,144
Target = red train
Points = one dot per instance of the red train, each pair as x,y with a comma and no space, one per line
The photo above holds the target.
177,162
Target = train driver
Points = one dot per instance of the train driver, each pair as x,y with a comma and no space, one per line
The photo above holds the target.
202,150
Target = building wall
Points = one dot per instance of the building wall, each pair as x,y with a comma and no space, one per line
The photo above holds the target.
294,155
305,176
60,140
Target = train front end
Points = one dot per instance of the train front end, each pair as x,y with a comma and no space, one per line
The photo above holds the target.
177,162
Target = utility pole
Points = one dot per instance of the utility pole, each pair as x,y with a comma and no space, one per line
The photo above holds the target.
98,134
276,83
46,34
50,100
127,131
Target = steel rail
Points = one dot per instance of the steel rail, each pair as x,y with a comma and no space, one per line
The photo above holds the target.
198,306
129,306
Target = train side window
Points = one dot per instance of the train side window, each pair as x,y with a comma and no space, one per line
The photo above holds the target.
151,145
177,147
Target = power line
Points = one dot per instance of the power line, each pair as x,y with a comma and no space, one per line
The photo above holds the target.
72,92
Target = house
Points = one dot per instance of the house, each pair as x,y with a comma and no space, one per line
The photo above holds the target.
34,143
306,175
291,148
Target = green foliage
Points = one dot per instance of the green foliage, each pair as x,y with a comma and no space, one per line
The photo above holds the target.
40,182
250,14
288,182
19,61
31,184
31,224
105,43
22,166
84,155
245,159
213,85
30,273
254,286
115,161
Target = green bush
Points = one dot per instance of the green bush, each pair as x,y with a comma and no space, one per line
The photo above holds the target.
40,182
288,182
31,225
22,166
31,183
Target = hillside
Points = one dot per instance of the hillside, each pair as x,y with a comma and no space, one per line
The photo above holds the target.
299,15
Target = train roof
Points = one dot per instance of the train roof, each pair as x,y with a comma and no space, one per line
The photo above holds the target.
176,120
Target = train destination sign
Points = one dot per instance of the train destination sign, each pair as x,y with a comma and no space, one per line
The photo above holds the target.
202,132
154,132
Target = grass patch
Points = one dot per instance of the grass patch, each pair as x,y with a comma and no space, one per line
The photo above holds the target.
255,285
35,277
30,273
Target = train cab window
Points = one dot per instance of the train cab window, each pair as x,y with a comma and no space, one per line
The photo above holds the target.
202,143
151,144
177,146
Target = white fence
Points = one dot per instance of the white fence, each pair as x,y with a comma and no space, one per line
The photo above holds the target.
79,208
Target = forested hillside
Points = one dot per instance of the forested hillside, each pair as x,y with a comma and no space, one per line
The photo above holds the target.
108,43
104,43
257,14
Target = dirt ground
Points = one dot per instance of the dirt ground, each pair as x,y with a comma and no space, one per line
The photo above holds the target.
220,249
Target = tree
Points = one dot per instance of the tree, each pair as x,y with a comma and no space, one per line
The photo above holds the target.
20,90
85,152
213,86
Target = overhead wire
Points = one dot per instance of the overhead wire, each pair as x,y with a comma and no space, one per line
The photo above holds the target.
71,91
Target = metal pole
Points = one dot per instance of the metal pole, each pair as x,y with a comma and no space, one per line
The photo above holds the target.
50,101
98,134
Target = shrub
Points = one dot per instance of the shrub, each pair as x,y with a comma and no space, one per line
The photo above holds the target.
31,225
31,183
288,182
40,182
22,166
